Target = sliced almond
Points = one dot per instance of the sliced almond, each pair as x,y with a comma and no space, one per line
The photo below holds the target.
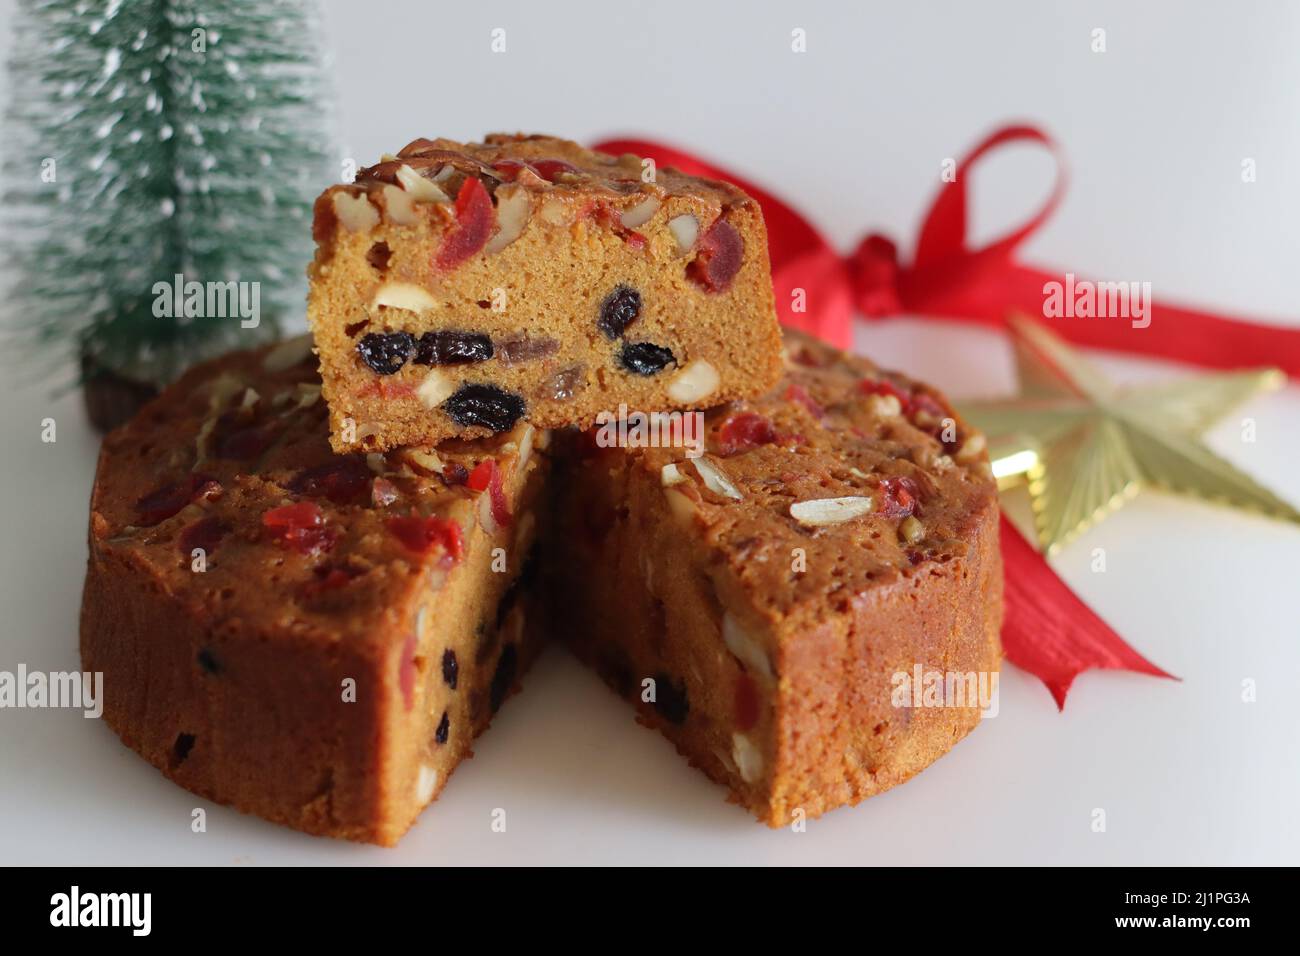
426,783
400,205
436,388
526,446
514,206
696,382
716,480
746,649
748,758
403,295
424,462
821,512
486,518
884,406
685,229
355,212
287,354
641,213
419,188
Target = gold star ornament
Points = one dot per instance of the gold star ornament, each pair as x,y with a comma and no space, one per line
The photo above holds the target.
1086,446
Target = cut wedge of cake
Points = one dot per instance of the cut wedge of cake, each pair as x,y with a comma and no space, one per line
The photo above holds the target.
312,638
782,606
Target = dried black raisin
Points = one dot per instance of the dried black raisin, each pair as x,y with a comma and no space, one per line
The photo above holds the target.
181,749
642,358
504,676
208,661
386,352
452,348
484,405
619,310
444,727
449,667
670,699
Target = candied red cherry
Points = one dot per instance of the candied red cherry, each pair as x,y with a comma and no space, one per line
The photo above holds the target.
343,481
509,169
157,506
897,497
619,310
484,405
798,394
475,220
300,527
743,432
206,533
552,169
422,535
486,476
386,352
452,348
644,358
721,251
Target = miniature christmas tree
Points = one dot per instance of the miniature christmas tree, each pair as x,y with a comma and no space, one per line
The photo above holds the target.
161,159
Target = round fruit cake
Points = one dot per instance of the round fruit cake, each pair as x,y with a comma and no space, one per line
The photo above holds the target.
317,638
310,637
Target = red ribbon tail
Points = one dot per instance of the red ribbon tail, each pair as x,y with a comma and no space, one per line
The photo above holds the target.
988,288
1048,631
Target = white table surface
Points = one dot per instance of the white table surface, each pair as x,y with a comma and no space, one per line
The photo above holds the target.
853,132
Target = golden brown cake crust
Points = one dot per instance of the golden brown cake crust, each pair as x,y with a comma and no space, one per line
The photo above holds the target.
312,638
772,629
459,287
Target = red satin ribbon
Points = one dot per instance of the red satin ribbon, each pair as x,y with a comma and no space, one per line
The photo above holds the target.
1048,631
948,279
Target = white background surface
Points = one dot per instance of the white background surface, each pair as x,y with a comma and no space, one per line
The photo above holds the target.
853,132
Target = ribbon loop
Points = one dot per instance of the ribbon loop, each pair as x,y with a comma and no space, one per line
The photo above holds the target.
943,230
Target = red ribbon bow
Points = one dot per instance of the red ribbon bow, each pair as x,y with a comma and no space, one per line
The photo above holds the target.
1048,631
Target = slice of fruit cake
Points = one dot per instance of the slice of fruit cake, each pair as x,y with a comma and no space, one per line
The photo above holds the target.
459,288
